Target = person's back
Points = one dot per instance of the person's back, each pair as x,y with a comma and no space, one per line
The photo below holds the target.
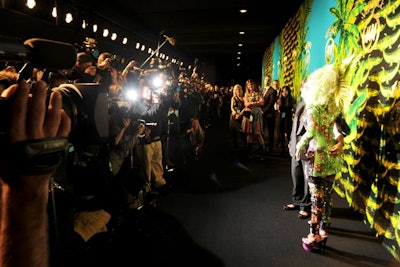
318,142
321,145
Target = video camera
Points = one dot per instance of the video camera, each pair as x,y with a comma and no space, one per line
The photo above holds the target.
86,104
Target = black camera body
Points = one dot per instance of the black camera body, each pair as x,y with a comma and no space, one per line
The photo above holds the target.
85,104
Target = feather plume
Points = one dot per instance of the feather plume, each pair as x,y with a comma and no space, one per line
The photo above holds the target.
328,87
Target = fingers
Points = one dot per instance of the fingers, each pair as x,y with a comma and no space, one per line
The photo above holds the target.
19,108
53,115
36,111
65,125
31,118
9,91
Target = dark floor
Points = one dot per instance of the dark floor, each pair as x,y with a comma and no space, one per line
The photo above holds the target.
232,207
226,210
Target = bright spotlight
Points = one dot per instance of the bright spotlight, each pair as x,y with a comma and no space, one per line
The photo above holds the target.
131,94
105,32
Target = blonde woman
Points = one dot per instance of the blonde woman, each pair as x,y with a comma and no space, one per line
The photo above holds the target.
235,119
252,123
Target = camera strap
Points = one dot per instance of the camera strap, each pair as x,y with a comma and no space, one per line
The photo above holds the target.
40,156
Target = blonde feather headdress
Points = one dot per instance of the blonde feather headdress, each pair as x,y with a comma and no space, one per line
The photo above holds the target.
328,87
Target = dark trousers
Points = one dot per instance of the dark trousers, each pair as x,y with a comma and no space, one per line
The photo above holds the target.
270,122
301,193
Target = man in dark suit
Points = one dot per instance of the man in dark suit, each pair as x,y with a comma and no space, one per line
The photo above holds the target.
270,97
300,194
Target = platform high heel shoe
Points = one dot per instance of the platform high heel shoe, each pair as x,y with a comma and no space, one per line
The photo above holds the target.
323,229
314,242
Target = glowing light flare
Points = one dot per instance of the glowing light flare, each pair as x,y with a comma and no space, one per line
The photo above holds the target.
157,82
69,18
54,12
131,94
31,4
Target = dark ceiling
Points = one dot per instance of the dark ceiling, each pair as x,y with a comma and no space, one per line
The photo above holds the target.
206,29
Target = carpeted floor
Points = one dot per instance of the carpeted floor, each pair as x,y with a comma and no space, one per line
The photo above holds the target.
231,208
223,210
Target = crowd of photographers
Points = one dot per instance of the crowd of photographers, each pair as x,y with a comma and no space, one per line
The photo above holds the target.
130,128
149,120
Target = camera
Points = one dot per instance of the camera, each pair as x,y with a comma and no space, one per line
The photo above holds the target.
86,104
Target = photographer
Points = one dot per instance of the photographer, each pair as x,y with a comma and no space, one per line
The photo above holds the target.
148,108
84,70
24,193
124,138
106,74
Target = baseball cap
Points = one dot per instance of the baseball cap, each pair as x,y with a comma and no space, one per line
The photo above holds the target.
83,57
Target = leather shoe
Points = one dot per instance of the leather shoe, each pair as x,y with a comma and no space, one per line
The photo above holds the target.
290,206
303,215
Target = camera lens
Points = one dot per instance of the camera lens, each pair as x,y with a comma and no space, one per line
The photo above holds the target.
87,106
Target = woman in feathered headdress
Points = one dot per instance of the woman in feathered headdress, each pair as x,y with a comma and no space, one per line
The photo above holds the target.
325,94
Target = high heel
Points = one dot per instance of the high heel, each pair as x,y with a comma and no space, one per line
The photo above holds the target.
323,230
314,242
323,234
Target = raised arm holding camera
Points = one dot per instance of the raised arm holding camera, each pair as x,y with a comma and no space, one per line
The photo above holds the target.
24,191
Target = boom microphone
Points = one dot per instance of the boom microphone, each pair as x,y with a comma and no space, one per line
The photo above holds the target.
171,40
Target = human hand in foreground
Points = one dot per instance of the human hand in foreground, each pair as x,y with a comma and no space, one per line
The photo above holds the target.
24,195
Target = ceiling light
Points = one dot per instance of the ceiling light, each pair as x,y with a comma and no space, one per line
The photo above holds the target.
31,4
125,40
113,36
240,44
105,32
54,12
241,33
95,28
68,18
243,11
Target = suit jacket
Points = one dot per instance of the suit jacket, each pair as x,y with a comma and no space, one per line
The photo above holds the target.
297,128
270,97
